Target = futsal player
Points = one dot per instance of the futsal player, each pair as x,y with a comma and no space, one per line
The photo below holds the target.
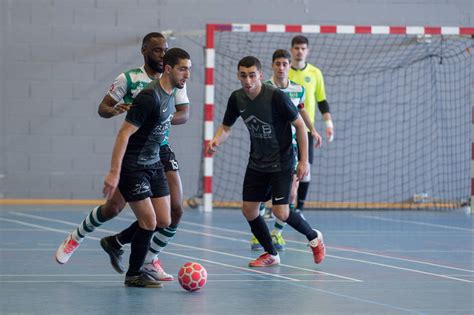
281,65
117,101
311,78
268,114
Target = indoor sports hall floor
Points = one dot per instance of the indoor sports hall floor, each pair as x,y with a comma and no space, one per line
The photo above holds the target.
391,262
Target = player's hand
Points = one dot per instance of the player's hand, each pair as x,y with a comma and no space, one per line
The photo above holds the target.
121,108
330,134
212,146
318,141
110,184
302,170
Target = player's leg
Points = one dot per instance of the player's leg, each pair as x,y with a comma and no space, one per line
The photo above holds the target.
281,210
147,220
152,212
163,236
256,189
98,216
304,183
279,225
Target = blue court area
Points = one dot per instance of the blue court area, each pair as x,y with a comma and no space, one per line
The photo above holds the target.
378,262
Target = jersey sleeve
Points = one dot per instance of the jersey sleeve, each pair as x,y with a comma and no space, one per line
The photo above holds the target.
142,107
181,96
302,98
232,112
320,91
118,89
284,105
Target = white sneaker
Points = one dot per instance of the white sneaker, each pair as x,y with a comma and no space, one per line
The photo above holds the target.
66,249
155,270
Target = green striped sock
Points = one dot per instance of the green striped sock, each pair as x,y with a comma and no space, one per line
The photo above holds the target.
91,222
159,241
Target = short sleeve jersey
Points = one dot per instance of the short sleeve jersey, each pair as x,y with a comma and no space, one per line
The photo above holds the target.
268,119
311,78
296,93
127,85
151,113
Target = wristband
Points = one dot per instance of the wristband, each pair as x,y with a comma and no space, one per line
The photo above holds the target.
329,123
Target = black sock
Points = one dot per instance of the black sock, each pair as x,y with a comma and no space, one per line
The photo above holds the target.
126,236
301,225
302,193
140,244
260,230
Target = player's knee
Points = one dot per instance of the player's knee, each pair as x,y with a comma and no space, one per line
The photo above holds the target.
281,212
111,209
163,222
176,213
148,223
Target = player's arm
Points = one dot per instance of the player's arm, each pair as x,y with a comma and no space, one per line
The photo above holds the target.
181,116
109,107
323,106
222,133
310,126
302,139
112,179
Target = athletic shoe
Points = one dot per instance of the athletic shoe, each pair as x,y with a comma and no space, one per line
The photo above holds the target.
268,214
66,249
265,260
155,271
278,242
300,212
318,248
114,254
142,280
254,244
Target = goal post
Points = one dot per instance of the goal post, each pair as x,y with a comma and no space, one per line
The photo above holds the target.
401,98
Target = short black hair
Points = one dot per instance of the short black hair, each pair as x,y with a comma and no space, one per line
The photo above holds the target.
248,62
299,39
174,55
281,53
151,35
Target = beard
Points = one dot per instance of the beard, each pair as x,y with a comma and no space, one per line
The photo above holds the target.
156,66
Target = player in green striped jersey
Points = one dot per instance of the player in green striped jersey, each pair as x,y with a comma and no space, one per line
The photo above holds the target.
281,65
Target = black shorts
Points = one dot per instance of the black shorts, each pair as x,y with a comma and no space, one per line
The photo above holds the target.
259,186
168,159
310,149
141,184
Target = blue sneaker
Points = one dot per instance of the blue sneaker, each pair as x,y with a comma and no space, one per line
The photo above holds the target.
254,244
278,242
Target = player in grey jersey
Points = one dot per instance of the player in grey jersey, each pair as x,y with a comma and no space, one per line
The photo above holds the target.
268,114
117,101
136,169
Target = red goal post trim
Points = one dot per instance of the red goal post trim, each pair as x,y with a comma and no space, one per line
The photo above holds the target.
290,28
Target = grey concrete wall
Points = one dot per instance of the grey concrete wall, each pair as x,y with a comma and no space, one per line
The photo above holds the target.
58,57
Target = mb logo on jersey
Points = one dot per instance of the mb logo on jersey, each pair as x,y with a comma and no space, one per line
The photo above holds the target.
258,128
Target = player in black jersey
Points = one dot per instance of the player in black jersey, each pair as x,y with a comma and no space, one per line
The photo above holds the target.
136,169
268,114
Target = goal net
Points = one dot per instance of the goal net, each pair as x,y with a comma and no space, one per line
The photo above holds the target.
401,107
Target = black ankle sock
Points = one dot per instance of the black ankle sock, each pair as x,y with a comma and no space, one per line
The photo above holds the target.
302,193
140,244
126,236
298,223
260,229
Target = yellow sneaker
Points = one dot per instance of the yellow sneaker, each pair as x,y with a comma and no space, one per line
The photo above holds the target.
278,242
254,244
